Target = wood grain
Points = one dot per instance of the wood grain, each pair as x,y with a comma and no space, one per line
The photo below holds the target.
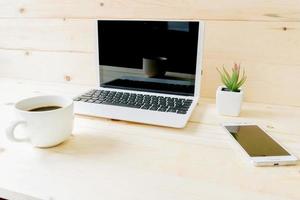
268,51
124,160
272,10
56,48
49,35
49,66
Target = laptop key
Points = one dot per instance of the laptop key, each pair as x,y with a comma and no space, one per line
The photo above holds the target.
131,105
162,109
86,96
140,101
181,111
121,104
145,107
172,110
77,99
153,108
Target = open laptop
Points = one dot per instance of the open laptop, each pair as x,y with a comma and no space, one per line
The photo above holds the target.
149,72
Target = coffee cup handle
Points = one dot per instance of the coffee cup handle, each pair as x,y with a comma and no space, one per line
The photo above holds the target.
11,129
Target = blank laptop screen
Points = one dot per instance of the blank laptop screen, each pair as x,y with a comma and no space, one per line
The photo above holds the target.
152,56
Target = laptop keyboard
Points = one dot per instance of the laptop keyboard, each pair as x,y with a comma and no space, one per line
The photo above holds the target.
138,101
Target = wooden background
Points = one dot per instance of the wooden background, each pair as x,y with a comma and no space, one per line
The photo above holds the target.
53,40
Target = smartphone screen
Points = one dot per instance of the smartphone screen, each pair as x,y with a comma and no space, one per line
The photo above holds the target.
255,141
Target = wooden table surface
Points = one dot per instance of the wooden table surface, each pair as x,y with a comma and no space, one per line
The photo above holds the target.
107,159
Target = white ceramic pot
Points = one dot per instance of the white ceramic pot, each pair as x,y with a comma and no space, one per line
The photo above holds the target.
229,103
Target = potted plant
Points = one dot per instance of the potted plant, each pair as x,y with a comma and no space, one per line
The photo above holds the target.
229,96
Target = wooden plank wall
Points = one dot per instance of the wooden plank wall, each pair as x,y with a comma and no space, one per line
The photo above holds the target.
53,40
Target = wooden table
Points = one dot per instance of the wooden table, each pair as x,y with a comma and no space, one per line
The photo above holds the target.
107,159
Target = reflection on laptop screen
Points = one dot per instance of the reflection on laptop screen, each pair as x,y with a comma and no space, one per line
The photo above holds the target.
152,56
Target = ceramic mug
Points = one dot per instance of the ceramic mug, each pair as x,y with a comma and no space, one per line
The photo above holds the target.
44,128
154,66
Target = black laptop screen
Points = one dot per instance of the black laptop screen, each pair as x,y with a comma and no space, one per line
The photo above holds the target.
153,56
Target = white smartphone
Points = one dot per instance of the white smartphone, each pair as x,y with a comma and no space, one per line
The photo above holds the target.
260,147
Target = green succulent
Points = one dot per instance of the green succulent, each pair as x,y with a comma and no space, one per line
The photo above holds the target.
234,81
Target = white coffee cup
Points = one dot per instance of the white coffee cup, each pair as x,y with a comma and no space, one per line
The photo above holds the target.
43,128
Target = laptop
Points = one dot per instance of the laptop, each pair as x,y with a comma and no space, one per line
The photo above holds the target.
149,72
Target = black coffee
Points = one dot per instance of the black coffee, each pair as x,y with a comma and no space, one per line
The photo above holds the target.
44,108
